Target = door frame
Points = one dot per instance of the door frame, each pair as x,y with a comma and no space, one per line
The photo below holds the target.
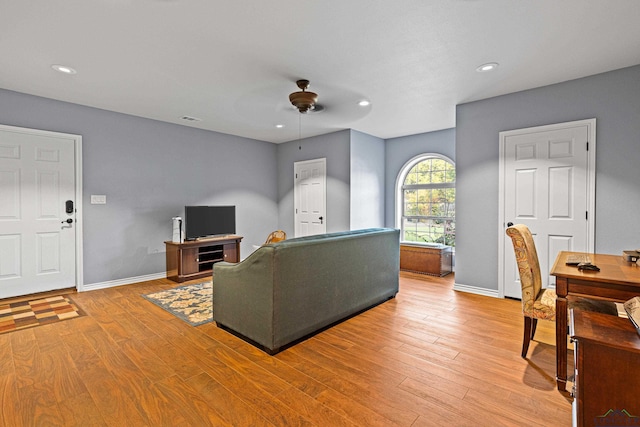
77,151
591,186
296,197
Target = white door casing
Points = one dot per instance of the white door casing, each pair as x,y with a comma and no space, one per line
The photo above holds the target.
309,190
39,173
547,182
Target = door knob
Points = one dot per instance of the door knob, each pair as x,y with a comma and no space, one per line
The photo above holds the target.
320,220
68,221
509,224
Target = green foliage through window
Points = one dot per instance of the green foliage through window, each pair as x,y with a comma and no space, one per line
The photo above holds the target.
428,202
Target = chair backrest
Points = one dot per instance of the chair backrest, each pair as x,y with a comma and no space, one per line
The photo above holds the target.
276,236
528,264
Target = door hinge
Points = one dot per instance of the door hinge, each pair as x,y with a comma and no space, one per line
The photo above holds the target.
586,215
587,145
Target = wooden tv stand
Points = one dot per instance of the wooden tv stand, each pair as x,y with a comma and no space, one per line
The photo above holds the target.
194,259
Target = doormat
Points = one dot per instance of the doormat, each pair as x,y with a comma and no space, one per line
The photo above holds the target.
191,303
42,311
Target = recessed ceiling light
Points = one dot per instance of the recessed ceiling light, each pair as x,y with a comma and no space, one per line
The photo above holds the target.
364,103
64,69
279,126
490,66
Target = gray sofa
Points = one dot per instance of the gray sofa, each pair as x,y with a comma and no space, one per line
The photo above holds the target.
288,290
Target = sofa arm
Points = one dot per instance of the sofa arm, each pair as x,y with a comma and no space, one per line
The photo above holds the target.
243,296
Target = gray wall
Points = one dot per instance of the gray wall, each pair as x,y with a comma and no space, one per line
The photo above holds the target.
149,171
367,181
400,150
612,98
335,147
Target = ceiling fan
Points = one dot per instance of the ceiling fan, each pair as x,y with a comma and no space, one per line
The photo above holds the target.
304,100
265,107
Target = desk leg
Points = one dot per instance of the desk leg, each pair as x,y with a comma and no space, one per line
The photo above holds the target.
561,334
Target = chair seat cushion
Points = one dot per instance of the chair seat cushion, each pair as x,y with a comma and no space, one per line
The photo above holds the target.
544,307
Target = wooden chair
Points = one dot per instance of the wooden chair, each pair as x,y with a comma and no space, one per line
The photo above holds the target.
538,303
276,236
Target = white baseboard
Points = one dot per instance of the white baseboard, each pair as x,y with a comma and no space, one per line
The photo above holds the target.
120,282
476,290
162,275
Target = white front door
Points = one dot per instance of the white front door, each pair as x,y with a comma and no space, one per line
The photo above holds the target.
548,185
37,211
310,197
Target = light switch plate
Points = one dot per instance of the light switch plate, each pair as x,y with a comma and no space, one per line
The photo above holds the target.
98,199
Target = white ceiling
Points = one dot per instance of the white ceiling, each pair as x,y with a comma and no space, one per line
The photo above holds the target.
233,63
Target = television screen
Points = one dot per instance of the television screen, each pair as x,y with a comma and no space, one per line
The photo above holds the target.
209,221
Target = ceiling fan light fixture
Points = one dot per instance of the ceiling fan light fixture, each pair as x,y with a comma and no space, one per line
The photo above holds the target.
304,101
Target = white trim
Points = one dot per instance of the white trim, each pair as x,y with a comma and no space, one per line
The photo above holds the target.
121,282
404,170
476,290
591,185
79,217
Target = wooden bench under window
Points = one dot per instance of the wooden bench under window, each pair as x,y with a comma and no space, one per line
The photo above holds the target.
434,260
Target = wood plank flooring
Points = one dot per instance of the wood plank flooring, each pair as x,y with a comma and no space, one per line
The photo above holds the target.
430,357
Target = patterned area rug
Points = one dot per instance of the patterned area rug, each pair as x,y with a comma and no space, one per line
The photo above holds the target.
42,311
191,303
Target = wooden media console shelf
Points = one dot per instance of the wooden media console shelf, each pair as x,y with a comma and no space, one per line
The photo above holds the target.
195,259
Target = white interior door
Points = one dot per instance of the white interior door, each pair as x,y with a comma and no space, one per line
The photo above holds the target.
37,189
310,197
548,185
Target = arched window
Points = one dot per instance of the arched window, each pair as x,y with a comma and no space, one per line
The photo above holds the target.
426,200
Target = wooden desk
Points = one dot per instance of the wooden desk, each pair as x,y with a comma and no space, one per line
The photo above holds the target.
607,360
617,280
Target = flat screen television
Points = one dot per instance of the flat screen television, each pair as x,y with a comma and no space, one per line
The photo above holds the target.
209,221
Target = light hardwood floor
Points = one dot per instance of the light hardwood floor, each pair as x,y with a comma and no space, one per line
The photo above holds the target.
429,357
